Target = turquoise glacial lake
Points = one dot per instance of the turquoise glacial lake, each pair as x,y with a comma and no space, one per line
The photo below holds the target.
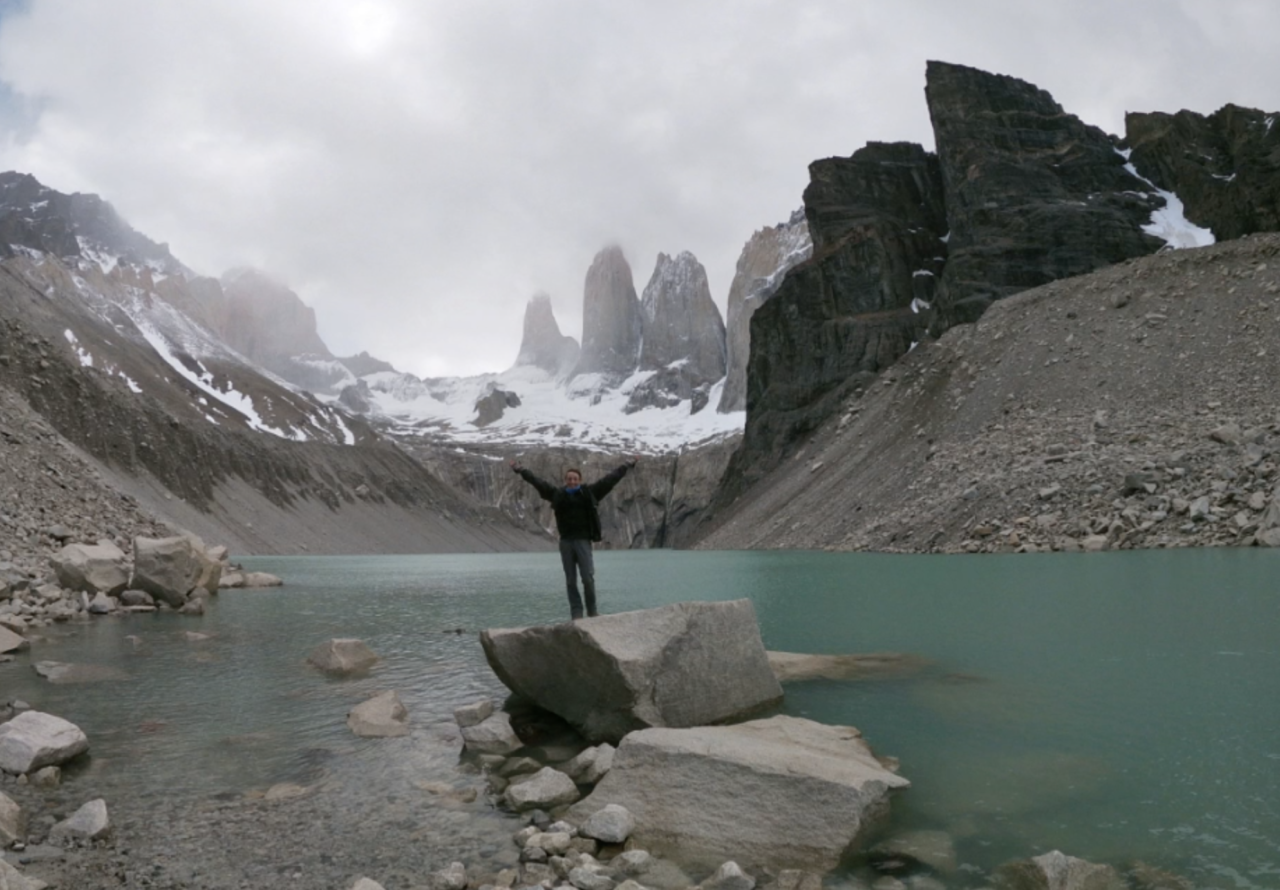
1115,706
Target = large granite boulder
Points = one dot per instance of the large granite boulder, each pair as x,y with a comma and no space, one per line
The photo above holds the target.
762,265
1225,167
686,664
89,822
343,655
779,793
542,345
92,568
611,318
1033,194
34,739
168,568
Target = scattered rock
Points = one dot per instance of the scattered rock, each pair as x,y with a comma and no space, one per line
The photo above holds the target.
729,876
476,712
493,735
34,739
546,788
612,824
90,822
343,656
13,826
383,716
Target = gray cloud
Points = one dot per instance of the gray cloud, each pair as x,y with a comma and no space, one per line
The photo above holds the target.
417,170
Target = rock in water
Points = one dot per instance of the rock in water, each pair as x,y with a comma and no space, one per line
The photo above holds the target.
1033,193
782,792
92,568
764,261
89,822
687,664
382,716
611,318
167,568
543,346
34,739
343,656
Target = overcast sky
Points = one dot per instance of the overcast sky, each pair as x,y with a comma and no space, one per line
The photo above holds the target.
416,170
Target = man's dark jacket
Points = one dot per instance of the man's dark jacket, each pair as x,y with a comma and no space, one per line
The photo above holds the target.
576,514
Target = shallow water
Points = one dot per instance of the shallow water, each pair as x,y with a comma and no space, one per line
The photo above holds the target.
1116,706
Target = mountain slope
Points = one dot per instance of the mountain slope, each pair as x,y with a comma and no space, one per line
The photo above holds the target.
1131,407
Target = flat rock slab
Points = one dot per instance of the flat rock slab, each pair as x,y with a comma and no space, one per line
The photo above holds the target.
12,642
687,664
62,673
793,666
779,793
34,739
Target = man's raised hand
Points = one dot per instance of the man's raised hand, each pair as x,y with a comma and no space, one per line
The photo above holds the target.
516,466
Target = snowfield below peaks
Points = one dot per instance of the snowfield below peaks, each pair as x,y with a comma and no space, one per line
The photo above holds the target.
584,412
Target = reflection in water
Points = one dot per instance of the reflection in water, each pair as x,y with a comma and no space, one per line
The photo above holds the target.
1115,706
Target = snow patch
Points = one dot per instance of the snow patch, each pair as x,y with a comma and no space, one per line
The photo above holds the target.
918,305
1169,223
920,273
86,358
1231,178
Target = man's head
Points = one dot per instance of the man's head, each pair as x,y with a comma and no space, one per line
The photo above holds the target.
572,478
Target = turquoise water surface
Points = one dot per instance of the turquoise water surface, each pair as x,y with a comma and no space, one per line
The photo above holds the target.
1116,706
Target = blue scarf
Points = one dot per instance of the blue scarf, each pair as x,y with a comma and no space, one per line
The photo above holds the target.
574,490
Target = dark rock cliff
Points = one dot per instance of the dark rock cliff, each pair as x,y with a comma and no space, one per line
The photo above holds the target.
1020,194
1225,167
1033,194
877,222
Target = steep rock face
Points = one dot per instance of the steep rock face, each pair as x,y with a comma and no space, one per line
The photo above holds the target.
683,336
657,504
1224,167
1032,193
681,322
848,311
38,218
363,364
542,345
268,323
611,318
765,259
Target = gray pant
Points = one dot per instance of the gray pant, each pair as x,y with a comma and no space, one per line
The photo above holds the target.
575,554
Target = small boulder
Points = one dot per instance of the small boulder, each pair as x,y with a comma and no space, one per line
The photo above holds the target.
257,580
366,884
729,876
342,656
476,712
493,735
92,568
934,849
12,642
90,822
12,822
454,877
611,825
590,765
34,739
546,788
383,716
102,604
